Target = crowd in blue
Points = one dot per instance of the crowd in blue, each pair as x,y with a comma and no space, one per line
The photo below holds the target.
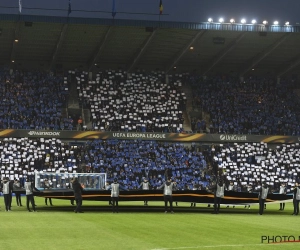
34,100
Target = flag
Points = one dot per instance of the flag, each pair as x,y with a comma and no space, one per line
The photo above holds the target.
20,6
161,7
70,8
113,12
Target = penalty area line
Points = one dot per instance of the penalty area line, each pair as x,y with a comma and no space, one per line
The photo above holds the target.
216,246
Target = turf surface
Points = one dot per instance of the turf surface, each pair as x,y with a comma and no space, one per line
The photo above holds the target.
145,228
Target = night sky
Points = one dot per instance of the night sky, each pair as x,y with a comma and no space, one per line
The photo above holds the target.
175,10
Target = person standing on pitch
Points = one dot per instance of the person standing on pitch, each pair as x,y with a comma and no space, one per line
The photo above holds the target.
262,196
145,186
168,191
115,192
296,199
47,187
218,193
77,189
108,187
17,190
6,193
29,187
282,190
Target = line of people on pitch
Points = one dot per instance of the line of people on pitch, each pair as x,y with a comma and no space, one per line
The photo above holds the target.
115,188
8,187
263,192
282,190
145,185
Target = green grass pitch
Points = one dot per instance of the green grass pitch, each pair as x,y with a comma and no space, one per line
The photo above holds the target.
58,227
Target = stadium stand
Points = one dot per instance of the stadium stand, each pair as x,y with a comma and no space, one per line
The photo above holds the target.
128,160
142,102
254,105
32,100
132,160
250,164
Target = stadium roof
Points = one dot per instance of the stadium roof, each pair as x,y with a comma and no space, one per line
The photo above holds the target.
89,44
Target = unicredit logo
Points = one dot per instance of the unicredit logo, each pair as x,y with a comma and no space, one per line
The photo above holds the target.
44,133
233,137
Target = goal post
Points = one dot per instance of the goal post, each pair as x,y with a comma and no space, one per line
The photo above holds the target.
92,181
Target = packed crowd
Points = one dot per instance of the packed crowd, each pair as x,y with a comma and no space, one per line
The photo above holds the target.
252,106
146,103
131,161
32,100
141,102
248,165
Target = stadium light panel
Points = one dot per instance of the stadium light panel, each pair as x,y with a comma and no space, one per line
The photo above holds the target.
243,21
221,20
232,20
191,48
210,20
265,22
16,40
253,21
12,61
276,23
287,23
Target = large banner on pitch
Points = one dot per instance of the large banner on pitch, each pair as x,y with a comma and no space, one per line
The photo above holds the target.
180,137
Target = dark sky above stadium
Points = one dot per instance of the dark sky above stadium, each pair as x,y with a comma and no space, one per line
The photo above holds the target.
174,10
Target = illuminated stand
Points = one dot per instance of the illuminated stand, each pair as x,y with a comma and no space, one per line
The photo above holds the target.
89,181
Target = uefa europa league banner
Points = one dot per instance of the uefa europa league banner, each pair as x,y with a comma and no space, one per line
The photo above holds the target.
179,137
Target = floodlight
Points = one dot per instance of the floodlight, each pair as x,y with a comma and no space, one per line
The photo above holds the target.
210,20
191,48
243,21
265,22
232,20
276,23
221,20
253,21
287,23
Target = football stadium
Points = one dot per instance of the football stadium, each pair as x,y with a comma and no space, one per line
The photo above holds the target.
148,134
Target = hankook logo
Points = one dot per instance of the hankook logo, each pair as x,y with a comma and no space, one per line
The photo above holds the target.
233,137
44,133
